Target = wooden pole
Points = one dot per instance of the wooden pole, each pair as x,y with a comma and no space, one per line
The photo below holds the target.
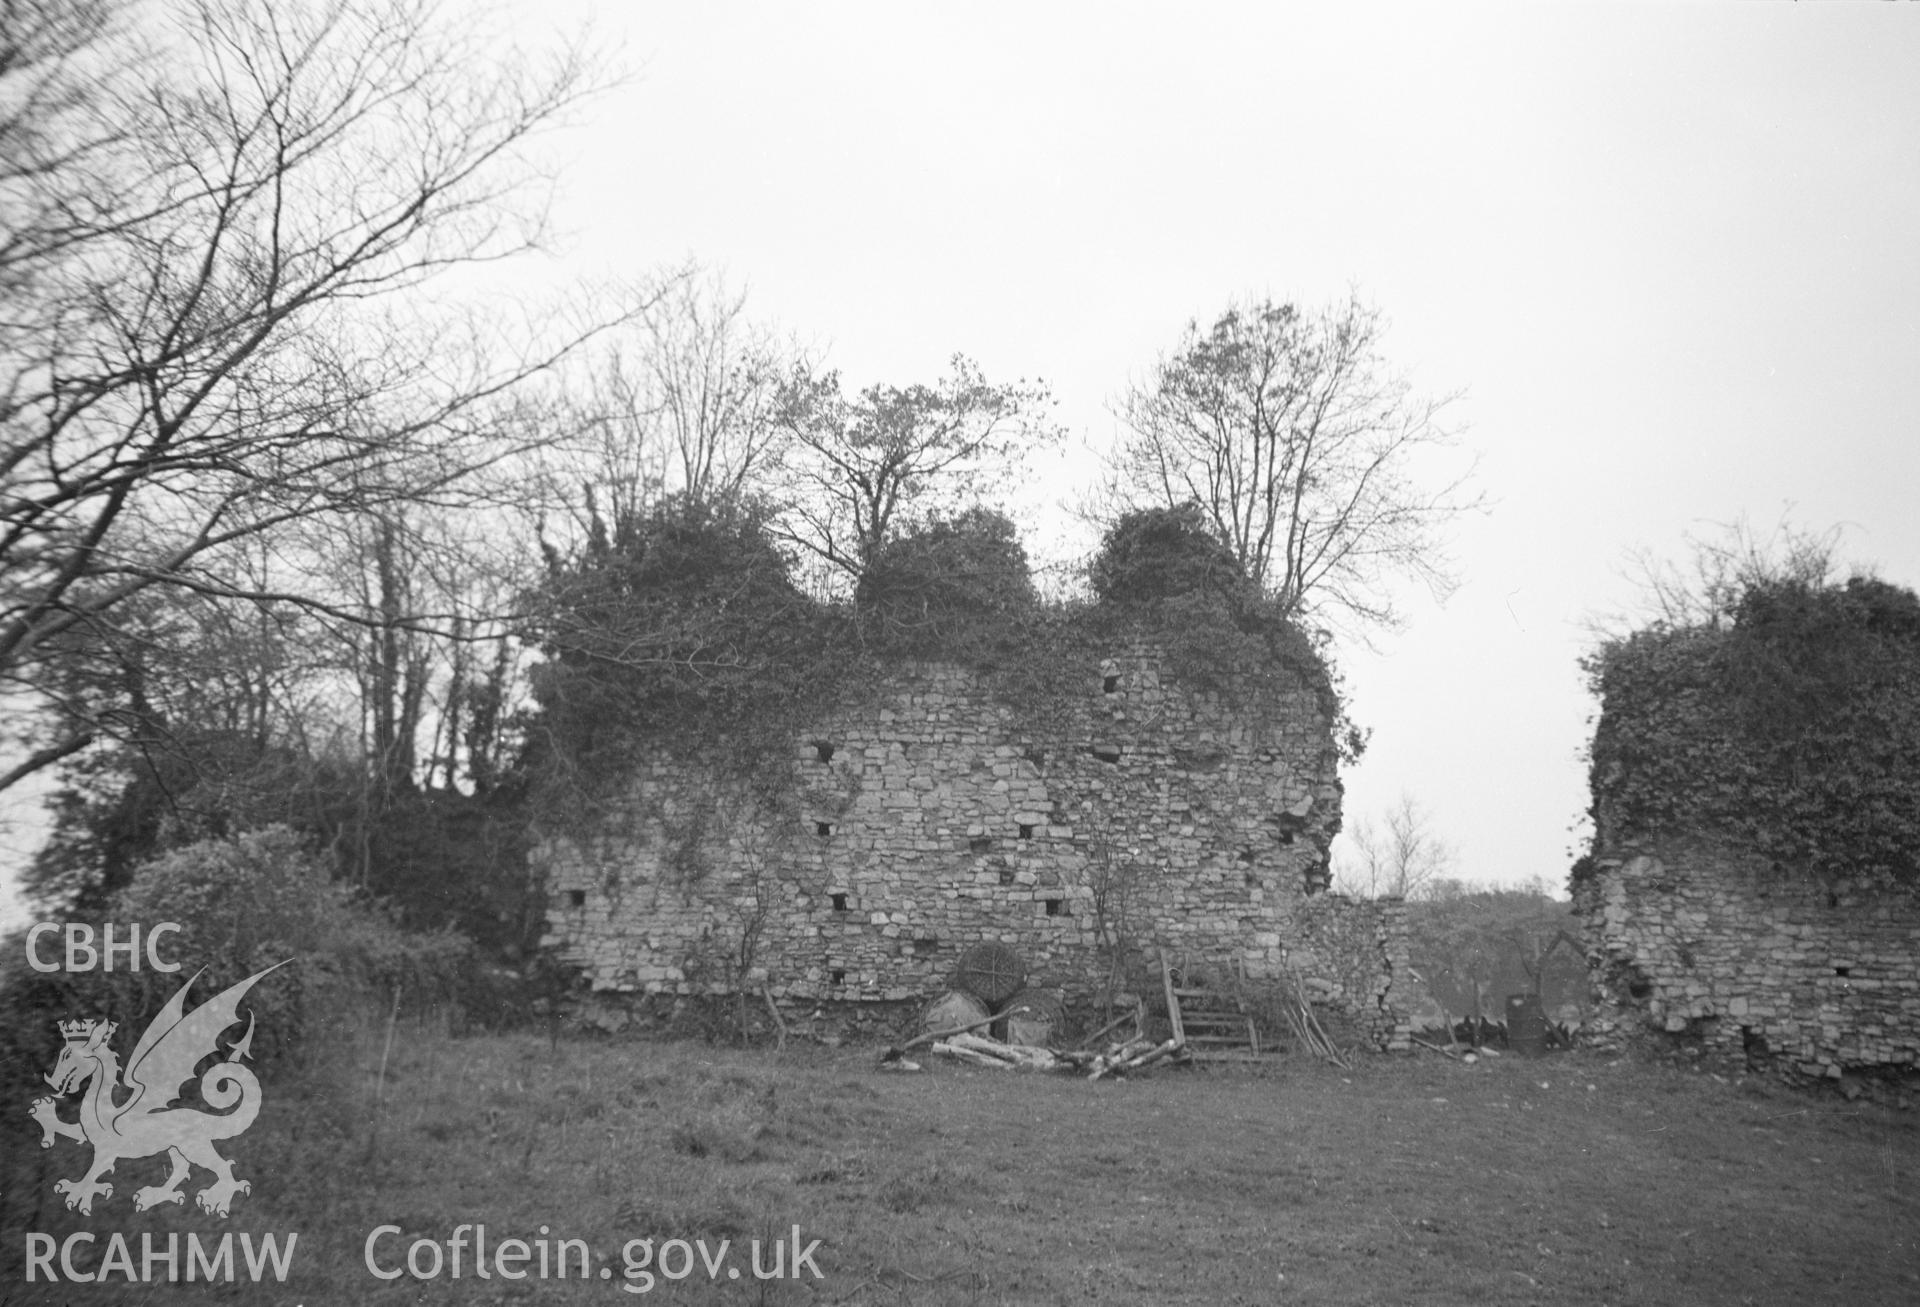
766,992
1173,1004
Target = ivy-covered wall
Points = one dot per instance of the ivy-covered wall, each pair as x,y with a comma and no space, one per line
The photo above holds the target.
929,813
1754,884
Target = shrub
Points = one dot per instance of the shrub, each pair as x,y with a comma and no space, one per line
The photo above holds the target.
1162,572
443,860
680,627
243,905
932,590
1165,553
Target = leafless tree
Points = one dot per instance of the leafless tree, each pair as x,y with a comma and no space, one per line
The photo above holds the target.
1397,857
679,402
212,325
52,55
862,468
1303,447
708,380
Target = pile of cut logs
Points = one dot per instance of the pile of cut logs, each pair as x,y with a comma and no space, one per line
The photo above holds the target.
1118,1059
963,1044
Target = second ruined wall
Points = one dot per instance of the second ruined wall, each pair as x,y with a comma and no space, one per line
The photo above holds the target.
927,815
1816,974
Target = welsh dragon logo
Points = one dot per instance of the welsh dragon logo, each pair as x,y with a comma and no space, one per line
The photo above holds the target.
174,1043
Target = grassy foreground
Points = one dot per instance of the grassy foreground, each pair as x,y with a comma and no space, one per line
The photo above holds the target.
1570,1180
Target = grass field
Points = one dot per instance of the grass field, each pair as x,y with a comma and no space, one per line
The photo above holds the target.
1574,1179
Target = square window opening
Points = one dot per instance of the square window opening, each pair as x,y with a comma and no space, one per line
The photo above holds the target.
839,902
1026,831
576,898
1055,907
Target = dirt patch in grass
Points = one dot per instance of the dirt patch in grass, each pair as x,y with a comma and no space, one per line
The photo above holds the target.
1567,1180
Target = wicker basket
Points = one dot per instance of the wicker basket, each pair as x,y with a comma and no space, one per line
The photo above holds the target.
992,971
1034,1018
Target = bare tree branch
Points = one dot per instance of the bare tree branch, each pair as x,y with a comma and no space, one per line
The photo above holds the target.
1399,856
43,758
208,332
862,468
1302,448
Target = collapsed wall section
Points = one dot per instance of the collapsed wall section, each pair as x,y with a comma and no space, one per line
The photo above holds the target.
1351,955
930,814
1815,974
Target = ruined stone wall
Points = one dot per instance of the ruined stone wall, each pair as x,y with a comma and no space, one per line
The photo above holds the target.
928,815
1692,940
1339,944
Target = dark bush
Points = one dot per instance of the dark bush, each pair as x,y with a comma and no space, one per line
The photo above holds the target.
681,629
443,860
681,617
935,588
1164,553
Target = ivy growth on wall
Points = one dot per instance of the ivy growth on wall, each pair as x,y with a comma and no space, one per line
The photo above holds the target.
1790,728
680,630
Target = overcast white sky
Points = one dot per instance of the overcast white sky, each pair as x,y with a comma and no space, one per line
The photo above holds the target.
1671,254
